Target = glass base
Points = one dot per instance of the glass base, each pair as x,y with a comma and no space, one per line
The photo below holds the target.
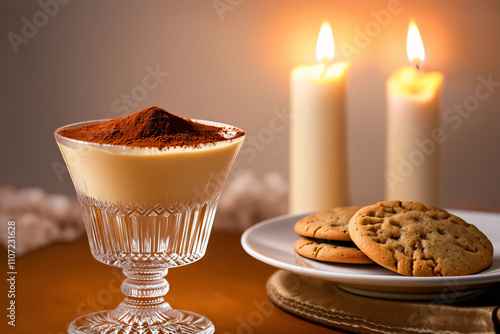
163,320
144,310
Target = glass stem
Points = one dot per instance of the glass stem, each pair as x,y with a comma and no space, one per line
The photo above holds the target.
145,288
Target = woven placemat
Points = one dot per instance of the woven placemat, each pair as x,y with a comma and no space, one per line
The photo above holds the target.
324,303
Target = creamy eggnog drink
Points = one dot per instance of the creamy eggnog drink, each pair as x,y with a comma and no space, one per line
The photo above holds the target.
148,185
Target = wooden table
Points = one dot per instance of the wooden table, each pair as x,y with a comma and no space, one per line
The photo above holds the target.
56,284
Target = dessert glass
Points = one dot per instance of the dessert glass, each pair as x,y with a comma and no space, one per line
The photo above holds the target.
147,210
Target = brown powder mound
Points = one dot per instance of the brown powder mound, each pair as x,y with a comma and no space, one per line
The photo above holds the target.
152,127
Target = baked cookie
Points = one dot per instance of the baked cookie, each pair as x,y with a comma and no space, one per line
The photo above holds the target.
330,251
329,224
413,239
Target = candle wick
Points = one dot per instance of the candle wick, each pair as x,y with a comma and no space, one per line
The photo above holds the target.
323,70
325,63
418,66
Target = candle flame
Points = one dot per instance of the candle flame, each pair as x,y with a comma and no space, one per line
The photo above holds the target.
414,45
325,49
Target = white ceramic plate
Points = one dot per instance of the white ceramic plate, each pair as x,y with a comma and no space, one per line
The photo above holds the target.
272,242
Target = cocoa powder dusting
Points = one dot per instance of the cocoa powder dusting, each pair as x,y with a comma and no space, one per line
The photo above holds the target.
152,127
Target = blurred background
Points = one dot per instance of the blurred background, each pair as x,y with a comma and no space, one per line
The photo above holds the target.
230,61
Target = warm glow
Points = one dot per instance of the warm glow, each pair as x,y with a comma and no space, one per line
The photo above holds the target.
414,45
413,84
325,47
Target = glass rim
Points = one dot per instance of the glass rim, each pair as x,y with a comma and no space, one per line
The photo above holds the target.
136,149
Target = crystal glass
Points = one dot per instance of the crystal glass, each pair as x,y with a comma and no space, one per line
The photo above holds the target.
145,211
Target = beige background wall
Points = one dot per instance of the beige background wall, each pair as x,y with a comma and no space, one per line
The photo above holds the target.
232,65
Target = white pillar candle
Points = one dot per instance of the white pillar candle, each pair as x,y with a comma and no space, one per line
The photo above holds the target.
318,148
413,133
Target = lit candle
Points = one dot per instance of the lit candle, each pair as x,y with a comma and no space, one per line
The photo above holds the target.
318,162
413,133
